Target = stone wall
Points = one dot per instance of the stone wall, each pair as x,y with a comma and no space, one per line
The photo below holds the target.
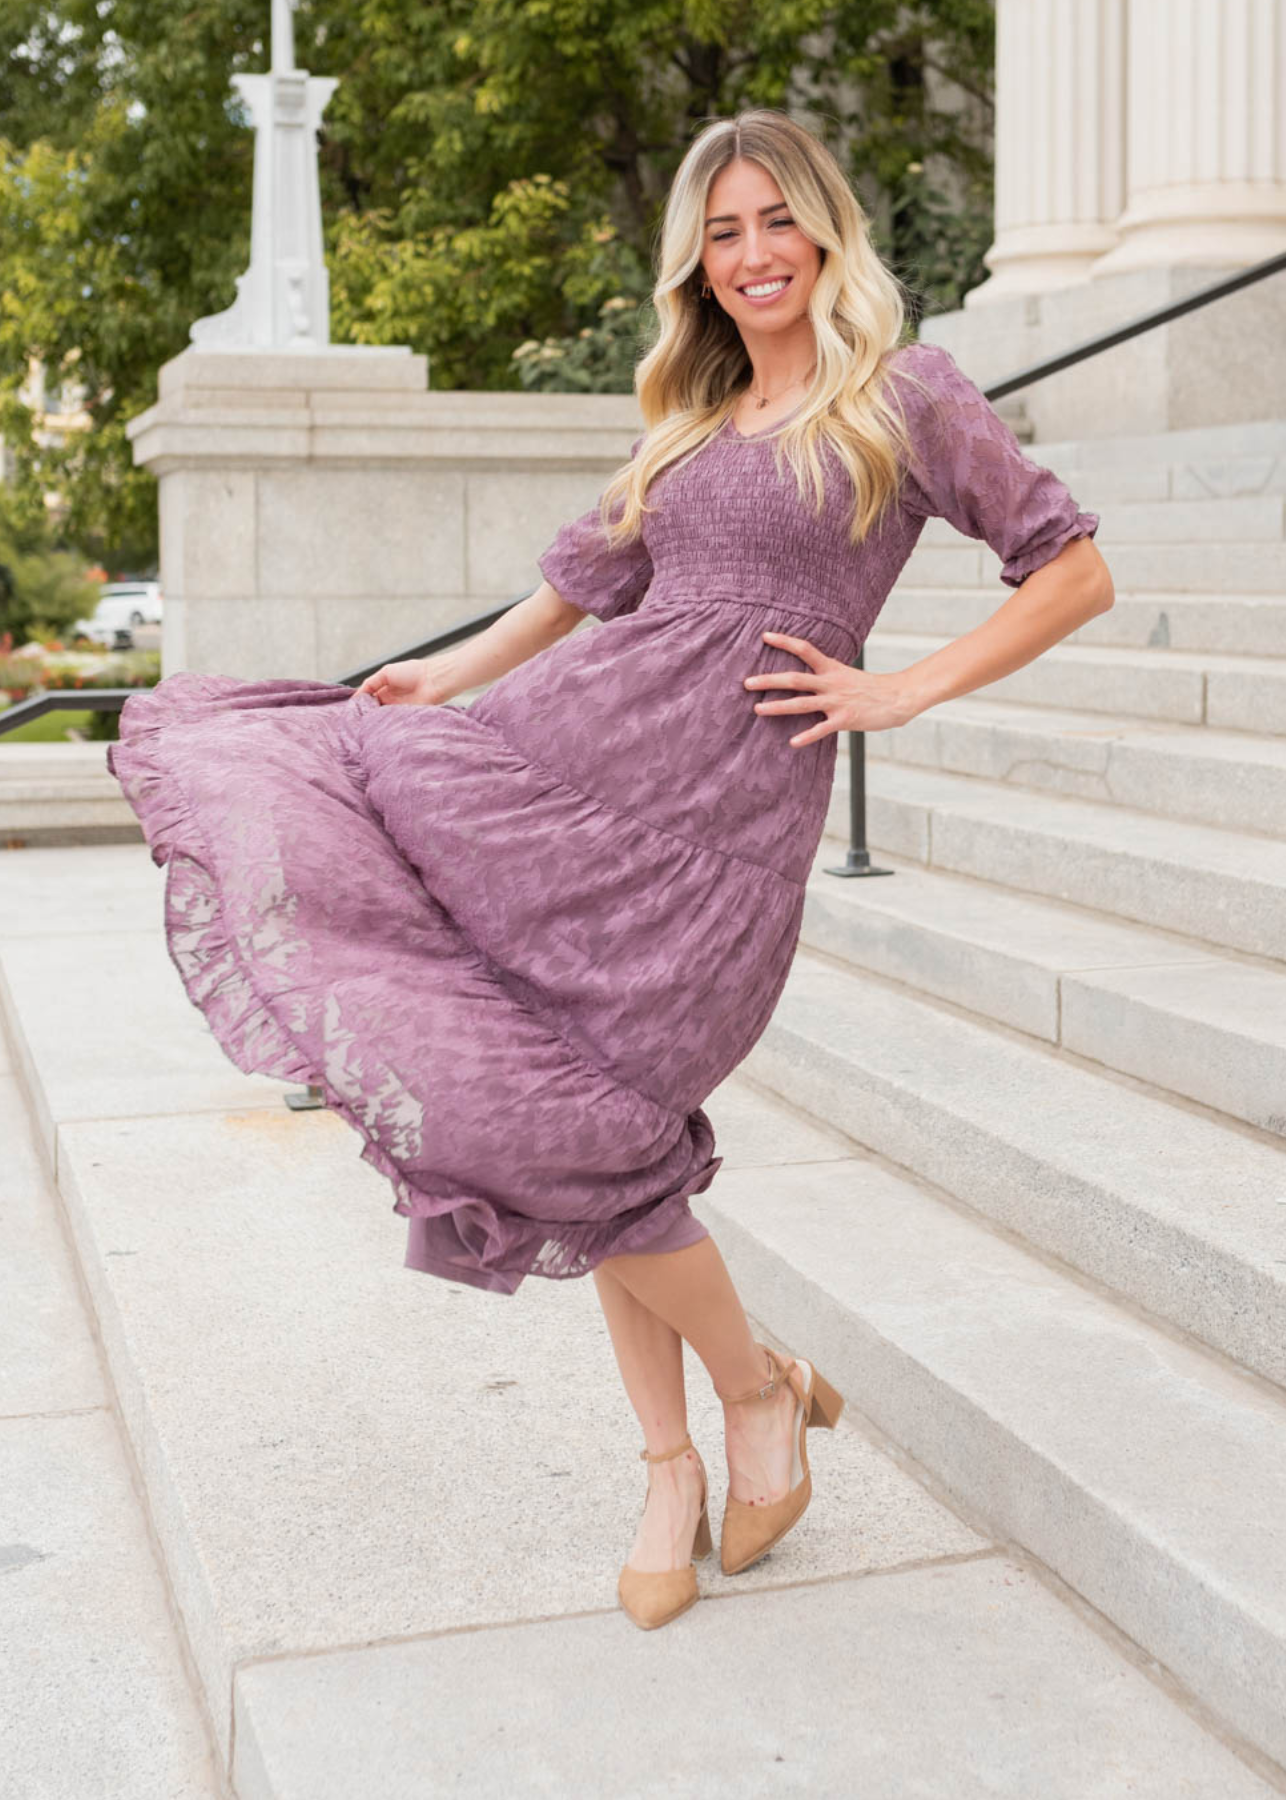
323,511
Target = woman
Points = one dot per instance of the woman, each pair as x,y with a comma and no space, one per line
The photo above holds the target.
518,943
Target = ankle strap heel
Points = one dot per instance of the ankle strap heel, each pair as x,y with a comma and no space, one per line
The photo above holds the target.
823,1405
749,1531
653,1598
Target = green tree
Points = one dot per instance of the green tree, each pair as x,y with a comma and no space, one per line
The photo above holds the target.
42,587
492,177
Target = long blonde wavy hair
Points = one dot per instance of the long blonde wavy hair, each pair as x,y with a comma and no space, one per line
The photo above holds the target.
688,382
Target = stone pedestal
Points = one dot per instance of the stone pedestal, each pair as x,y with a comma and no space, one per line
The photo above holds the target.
322,511
1224,364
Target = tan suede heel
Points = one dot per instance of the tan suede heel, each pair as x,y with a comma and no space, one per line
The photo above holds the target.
748,1532
653,1597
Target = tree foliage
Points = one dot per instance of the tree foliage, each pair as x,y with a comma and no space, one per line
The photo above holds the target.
492,176
40,588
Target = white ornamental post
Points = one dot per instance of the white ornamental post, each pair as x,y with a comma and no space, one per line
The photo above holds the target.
283,299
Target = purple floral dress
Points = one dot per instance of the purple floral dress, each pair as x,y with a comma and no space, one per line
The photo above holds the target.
519,943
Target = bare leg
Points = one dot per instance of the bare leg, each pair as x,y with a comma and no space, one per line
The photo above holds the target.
691,1292
649,1354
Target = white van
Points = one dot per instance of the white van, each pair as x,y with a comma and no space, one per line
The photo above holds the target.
122,607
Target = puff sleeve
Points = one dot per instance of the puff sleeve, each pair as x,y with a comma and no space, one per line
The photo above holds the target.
968,467
591,574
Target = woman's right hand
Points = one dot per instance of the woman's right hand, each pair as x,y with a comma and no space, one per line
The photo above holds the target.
415,683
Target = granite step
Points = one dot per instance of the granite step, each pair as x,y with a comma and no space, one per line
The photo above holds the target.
1225,888
97,1703
1180,1212
1197,452
1228,624
54,794
1187,687
1142,1469
1233,779
1149,1004
1239,519
1236,567
316,1643
1101,486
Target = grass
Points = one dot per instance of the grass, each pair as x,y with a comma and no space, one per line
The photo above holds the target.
51,728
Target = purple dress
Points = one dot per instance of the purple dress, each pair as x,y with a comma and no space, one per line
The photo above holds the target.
519,943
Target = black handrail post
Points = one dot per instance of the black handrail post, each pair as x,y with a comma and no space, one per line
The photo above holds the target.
308,1099
857,858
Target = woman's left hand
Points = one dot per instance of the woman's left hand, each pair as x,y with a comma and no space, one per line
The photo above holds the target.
852,699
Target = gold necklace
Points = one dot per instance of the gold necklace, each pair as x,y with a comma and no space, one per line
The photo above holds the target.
762,400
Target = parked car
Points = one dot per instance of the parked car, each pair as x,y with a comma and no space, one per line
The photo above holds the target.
122,607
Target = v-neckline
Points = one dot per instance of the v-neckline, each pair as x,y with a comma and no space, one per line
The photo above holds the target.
748,437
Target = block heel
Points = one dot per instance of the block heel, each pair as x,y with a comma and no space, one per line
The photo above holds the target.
824,1404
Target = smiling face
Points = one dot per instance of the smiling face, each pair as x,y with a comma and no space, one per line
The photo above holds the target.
756,259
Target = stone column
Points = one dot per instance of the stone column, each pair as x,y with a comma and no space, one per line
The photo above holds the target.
1207,135
1060,143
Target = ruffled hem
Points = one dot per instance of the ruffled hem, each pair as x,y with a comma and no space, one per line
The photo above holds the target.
658,1226
497,1251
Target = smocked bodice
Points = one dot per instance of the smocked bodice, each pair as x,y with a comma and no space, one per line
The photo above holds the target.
727,526
729,550
728,522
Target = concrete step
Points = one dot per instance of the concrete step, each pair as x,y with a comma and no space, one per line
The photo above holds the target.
1229,624
1181,1213
1196,453
1103,487
315,1648
1149,1004
61,794
1236,693
1225,888
1240,519
1014,1696
1186,568
1232,779
97,1704
1135,1464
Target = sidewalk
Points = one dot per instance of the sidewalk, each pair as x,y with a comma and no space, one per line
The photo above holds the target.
375,1542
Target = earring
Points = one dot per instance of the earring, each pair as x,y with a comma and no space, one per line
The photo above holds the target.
705,290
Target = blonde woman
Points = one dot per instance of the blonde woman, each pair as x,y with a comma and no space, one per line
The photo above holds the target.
519,943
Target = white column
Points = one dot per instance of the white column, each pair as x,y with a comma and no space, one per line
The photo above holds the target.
1060,143
1207,134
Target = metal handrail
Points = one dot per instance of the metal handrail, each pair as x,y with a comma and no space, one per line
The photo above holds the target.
857,857
1161,315
22,712
441,640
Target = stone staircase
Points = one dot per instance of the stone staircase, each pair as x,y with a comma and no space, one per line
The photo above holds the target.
61,794
1060,1027
1008,1163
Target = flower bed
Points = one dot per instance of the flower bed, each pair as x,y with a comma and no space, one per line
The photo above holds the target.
36,669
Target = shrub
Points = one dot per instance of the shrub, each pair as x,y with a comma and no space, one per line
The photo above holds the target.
599,359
